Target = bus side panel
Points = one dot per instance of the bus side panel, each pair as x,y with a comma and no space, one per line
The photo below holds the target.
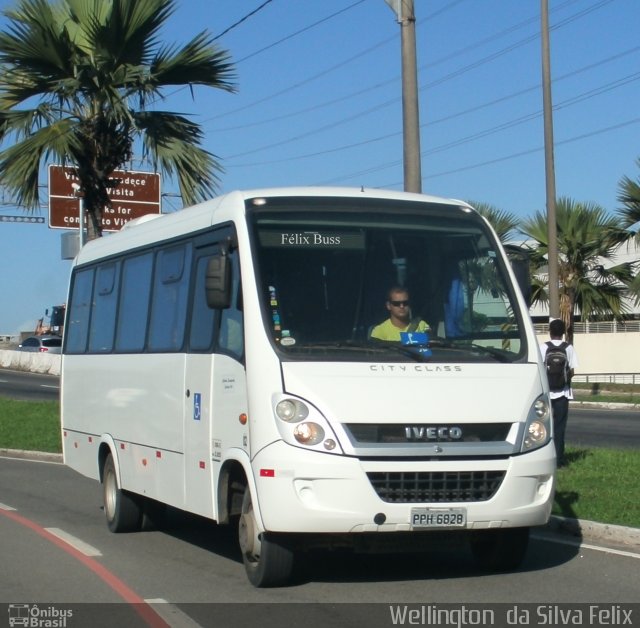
133,399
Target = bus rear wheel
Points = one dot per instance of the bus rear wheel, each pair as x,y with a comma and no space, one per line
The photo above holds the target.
122,510
501,549
268,559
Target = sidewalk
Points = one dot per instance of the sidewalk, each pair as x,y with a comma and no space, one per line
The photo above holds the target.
581,530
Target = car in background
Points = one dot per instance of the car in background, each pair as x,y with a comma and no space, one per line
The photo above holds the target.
41,344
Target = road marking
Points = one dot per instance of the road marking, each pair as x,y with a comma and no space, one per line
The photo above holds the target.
5,507
26,458
597,548
81,546
148,615
172,614
47,386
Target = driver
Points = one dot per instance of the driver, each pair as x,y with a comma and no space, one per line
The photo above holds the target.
399,320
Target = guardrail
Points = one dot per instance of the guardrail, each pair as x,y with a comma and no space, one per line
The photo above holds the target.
608,378
604,327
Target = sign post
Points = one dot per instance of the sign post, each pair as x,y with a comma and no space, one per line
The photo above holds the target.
137,194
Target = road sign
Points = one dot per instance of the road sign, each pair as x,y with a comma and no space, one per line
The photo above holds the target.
137,194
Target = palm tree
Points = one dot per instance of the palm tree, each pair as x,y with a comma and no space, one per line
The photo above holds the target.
88,74
629,196
629,213
587,239
504,223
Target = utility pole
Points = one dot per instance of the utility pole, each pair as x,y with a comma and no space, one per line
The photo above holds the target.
404,11
550,173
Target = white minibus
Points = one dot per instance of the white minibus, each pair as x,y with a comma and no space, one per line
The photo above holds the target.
220,360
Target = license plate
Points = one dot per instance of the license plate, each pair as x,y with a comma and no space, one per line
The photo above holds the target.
438,517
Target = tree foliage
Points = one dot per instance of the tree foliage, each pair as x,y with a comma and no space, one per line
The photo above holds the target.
591,283
79,83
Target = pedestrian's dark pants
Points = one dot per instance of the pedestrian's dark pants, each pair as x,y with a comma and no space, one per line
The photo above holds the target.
560,415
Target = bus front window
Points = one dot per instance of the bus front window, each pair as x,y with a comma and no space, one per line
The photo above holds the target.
324,275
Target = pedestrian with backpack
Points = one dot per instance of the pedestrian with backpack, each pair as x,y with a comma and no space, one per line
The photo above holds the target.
560,362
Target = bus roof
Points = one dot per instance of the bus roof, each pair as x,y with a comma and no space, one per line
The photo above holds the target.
227,207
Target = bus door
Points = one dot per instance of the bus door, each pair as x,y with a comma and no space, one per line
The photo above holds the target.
215,389
198,400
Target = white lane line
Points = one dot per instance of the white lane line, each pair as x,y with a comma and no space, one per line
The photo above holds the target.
172,614
5,507
48,386
76,543
597,548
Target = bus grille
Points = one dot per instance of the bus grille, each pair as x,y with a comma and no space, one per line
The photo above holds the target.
441,486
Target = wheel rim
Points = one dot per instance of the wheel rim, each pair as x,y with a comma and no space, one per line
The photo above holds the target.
110,489
248,536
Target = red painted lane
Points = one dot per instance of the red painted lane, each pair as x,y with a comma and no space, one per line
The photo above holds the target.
149,616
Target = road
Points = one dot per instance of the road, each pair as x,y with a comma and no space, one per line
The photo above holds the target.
603,427
193,563
26,386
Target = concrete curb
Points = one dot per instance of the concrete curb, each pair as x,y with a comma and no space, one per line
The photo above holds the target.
605,404
592,531
23,454
582,530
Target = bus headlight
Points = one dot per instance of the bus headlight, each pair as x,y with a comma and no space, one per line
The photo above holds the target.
308,433
538,428
301,424
292,410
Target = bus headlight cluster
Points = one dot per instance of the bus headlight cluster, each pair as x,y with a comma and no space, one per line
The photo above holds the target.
300,424
538,428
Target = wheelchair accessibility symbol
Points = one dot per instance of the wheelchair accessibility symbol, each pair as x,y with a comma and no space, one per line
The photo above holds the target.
197,406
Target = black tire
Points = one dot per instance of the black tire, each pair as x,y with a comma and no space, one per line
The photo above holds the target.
268,559
154,515
500,550
122,509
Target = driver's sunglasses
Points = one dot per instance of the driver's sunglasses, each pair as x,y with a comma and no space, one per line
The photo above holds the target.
399,303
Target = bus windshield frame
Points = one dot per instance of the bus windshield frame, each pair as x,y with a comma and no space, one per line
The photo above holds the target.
324,268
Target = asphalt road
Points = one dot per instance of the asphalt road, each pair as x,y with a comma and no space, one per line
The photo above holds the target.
26,386
56,549
603,427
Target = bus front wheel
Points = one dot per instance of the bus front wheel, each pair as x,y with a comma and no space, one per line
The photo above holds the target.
122,510
268,559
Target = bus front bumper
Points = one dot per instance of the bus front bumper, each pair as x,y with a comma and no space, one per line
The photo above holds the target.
309,492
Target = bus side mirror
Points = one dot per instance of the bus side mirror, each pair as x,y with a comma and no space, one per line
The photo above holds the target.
519,258
218,282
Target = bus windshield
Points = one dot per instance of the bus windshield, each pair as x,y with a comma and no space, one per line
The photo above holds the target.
325,269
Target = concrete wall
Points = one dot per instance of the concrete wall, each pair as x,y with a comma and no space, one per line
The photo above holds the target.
606,353
597,353
48,363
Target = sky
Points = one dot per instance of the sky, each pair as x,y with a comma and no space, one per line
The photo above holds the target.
318,102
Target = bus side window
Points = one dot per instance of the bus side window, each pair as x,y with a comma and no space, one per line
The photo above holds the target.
204,320
231,339
79,312
134,303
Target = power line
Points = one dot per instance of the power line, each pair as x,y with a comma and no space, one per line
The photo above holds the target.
485,105
489,162
241,20
432,64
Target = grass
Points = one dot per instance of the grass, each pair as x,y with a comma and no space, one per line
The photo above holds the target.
597,485
30,425
608,393
601,485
